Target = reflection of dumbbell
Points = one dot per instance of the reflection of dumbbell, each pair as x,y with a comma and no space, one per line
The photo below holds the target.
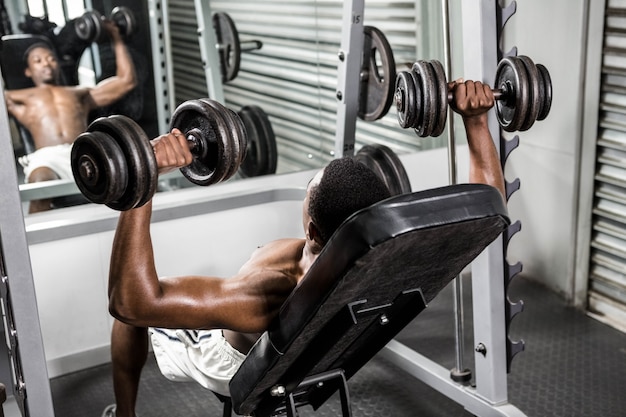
114,164
89,25
523,94
229,47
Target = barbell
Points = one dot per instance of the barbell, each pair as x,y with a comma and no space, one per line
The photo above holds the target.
89,26
523,94
113,162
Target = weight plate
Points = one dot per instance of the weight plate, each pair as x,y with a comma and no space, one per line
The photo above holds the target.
262,155
235,143
512,108
405,99
89,26
546,97
149,175
135,146
270,138
378,75
197,119
99,167
425,87
441,98
533,91
124,19
419,99
386,164
229,45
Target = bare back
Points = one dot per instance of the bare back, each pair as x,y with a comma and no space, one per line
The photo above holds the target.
52,114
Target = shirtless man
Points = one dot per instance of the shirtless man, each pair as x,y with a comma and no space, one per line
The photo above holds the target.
55,115
247,302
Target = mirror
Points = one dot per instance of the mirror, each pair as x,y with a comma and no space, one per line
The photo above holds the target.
293,77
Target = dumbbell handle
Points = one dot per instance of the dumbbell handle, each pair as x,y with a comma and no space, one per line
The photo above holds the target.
194,142
498,94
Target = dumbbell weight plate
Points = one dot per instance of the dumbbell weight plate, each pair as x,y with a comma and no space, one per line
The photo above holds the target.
441,98
511,110
148,175
214,156
89,26
386,164
124,19
533,92
425,87
230,47
99,167
405,99
139,157
261,156
546,87
378,75
235,143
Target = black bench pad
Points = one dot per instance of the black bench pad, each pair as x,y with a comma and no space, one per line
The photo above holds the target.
377,272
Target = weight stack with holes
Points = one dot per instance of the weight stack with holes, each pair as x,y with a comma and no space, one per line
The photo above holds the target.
139,104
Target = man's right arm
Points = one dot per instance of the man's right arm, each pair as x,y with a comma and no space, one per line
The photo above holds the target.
15,105
472,100
115,87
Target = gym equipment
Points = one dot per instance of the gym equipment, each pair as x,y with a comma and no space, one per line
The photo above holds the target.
114,164
377,84
523,94
262,155
349,307
229,47
88,27
386,164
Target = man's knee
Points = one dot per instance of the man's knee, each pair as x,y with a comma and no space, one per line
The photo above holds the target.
42,174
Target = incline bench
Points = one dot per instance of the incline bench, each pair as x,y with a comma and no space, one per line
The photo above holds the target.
376,274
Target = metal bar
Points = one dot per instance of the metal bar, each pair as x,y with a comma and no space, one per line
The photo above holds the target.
23,303
438,378
480,46
208,50
348,77
161,64
459,373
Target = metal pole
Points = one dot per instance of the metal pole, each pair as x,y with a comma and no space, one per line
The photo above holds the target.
459,373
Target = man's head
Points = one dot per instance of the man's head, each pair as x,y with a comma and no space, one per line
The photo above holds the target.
41,64
339,190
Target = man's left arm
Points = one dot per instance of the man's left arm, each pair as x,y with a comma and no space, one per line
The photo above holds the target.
115,87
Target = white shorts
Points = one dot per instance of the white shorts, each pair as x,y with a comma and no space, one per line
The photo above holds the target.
203,356
56,157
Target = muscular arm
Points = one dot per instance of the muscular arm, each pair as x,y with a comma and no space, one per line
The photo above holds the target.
15,105
472,100
115,87
246,302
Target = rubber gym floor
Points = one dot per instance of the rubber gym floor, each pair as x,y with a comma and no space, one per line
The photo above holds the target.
572,366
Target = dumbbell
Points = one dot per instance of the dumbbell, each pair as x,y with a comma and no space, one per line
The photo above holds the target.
89,26
114,164
523,95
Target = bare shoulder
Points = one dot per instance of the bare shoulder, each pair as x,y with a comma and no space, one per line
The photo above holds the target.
281,255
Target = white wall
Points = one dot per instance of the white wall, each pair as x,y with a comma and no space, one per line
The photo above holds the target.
551,33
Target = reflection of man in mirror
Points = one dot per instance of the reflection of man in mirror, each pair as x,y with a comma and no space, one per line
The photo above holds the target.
55,114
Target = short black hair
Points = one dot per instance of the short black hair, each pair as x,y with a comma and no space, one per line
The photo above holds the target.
39,44
346,187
